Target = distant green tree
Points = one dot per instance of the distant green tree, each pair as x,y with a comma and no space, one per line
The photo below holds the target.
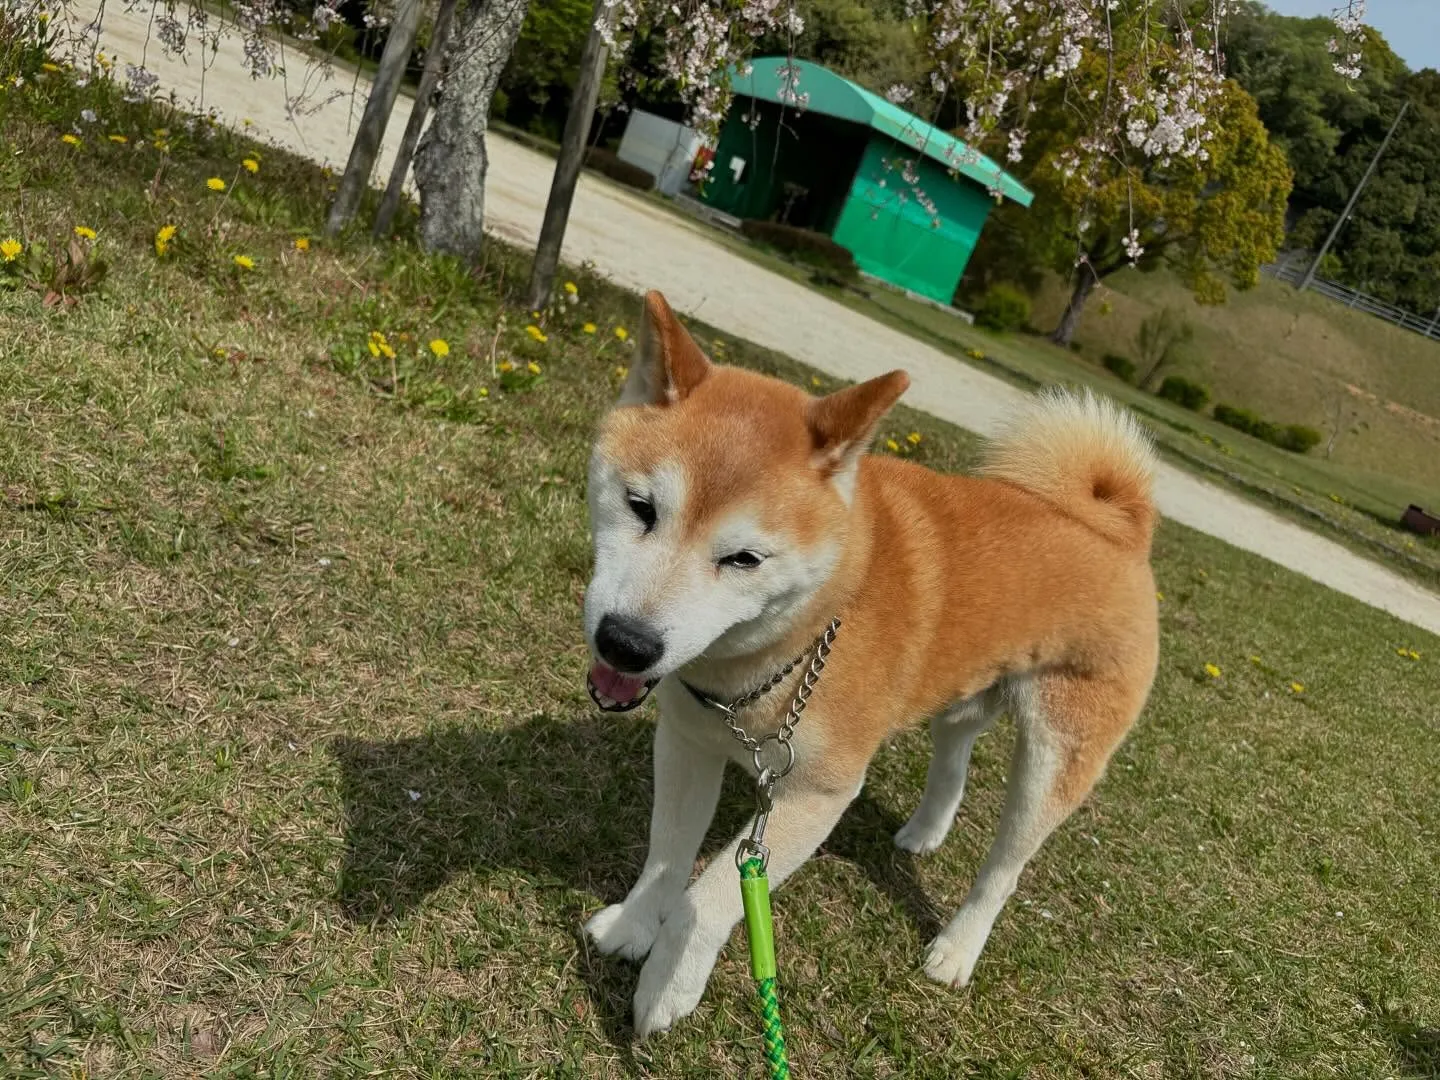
872,43
1330,129
537,80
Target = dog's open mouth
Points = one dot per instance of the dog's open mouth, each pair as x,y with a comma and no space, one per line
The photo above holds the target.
613,691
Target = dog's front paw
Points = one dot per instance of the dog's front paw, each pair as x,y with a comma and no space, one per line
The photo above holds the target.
672,981
919,836
658,1007
618,930
950,962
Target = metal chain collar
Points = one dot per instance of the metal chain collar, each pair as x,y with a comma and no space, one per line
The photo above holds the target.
752,846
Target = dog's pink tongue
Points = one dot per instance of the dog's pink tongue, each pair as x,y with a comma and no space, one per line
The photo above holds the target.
612,684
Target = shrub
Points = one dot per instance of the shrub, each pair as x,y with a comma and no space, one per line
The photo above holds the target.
1297,438
1120,366
1241,420
604,161
1004,308
1183,392
804,245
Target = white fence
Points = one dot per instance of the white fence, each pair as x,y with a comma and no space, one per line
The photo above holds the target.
1291,268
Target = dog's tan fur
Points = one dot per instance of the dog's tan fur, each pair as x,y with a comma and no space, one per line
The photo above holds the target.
1028,585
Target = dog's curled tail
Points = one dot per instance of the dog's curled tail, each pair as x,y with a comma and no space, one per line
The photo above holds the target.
1084,454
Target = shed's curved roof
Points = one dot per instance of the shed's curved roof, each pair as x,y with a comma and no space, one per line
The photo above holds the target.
800,83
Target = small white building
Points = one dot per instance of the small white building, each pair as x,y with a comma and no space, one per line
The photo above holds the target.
662,148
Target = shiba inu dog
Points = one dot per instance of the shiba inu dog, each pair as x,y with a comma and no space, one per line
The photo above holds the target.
734,516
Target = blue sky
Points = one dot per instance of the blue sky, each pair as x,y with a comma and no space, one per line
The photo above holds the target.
1411,27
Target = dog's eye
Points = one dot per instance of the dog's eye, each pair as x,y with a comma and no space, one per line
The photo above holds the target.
642,508
743,560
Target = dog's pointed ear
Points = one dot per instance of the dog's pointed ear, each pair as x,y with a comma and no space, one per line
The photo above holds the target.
843,423
668,364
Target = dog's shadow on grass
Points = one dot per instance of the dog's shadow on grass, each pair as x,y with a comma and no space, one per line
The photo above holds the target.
565,804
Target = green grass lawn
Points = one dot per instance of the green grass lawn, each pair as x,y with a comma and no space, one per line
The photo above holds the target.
298,774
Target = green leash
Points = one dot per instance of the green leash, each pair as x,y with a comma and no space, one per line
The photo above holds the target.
755,894
752,855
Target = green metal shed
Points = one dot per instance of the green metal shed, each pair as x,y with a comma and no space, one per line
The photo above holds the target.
804,146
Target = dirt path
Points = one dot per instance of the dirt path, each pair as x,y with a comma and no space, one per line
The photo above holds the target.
642,246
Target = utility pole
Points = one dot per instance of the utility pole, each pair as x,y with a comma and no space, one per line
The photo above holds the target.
434,61
378,106
572,154
1354,195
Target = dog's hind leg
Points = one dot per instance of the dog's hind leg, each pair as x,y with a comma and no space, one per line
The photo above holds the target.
1067,728
687,787
954,733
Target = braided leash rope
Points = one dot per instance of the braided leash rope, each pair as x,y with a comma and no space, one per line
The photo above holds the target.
755,893
751,855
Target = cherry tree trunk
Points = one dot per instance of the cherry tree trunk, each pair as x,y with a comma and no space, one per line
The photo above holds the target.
429,79
370,134
451,162
1070,320
572,155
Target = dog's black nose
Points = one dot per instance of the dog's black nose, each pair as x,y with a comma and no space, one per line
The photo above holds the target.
628,645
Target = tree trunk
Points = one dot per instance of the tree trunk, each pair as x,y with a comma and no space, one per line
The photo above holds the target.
1070,321
378,107
434,62
572,156
450,164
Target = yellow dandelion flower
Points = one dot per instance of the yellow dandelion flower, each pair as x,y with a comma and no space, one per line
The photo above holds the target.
1159,596
251,165
440,347
535,315
589,328
1212,671
161,133
505,367
302,243
10,249
121,139
892,446
622,333
536,333
72,140
571,288
84,232
484,391
975,354
162,146
913,438
215,184
1297,688
1255,660
47,66
380,346
533,368
163,238
244,262
621,371
1336,498
814,380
